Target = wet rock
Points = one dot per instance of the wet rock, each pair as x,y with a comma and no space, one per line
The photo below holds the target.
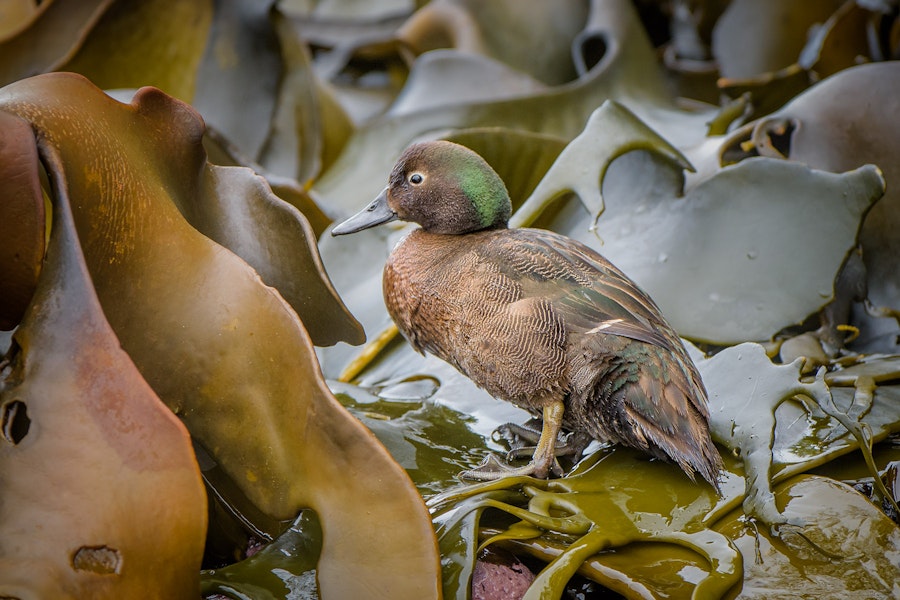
500,576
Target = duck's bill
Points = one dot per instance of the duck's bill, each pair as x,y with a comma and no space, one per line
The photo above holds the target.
376,213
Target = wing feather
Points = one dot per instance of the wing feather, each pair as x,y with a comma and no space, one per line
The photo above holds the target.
585,289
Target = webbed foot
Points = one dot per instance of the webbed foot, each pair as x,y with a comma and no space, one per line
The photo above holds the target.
492,468
543,461
522,440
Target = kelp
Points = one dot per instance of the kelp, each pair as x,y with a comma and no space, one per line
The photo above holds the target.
284,567
763,216
131,46
47,36
468,27
175,297
841,35
102,496
827,128
22,220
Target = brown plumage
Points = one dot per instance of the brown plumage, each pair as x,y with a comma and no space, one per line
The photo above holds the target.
533,317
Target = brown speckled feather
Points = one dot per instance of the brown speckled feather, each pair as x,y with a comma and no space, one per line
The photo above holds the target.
530,315
449,298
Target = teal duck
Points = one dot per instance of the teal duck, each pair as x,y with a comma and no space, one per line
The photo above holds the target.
533,317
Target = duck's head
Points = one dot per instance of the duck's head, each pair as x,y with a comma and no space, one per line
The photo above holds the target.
442,186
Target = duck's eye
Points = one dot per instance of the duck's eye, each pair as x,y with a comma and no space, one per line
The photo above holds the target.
416,178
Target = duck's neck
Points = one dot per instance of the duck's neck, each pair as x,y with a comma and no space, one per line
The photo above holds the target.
428,249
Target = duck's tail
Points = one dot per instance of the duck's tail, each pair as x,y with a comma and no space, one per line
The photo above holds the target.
655,401
672,428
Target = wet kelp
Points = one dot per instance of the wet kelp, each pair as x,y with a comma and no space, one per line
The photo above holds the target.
217,345
101,491
689,230
759,214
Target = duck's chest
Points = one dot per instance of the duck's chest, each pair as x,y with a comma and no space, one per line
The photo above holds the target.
430,286
455,297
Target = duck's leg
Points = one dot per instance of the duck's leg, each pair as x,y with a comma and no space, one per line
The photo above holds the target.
543,462
522,440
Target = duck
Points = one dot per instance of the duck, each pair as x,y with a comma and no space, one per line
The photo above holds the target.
534,318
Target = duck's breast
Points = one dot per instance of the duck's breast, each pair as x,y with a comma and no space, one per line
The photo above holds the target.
450,296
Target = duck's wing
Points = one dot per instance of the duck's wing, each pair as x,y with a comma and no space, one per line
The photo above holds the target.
587,291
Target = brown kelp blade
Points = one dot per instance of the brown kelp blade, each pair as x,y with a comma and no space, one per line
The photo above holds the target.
224,351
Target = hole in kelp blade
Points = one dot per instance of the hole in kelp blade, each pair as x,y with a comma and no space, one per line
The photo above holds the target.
14,421
97,559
